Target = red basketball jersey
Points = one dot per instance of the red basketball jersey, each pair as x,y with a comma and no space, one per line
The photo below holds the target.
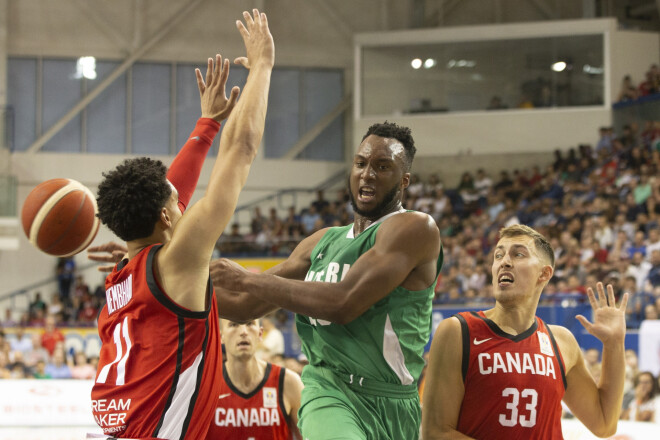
513,384
258,415
157,374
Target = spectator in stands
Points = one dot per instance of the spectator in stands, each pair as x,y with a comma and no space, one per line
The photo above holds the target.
51,335
272,342
22,342
650,312
320,203
258,221
642,407
292,222
5,371
650,85
56,308
309,219
38,352
39,371
232,243
416,187
639,268
65,272
653,277
37,304
631,373
628,90
81,368
58,368
9,320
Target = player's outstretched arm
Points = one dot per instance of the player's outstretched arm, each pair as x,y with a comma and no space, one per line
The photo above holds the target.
183,262
405,242
292,390
242,306
597,405
444,389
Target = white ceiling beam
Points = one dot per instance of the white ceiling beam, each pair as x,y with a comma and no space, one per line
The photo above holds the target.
128,62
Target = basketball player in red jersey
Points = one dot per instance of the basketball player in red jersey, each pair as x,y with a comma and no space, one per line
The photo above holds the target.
157,374
502,373
257,399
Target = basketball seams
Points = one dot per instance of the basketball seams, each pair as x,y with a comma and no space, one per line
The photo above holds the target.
48,205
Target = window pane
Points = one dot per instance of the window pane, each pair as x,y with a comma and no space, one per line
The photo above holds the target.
61,92
106,114
22,98
323,92
480,75
282,120
151,109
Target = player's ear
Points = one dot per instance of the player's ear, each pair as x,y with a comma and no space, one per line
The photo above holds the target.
546,273
405,180
165,218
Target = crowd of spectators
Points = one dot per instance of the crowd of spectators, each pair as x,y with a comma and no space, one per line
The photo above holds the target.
598,206
651,85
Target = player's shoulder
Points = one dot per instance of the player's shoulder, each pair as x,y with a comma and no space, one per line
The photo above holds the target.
449,328
412,222
292,383
566,342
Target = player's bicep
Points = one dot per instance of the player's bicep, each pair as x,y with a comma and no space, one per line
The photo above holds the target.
444,389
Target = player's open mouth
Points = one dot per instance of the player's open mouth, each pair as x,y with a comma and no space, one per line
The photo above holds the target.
366,194
243,344
505,279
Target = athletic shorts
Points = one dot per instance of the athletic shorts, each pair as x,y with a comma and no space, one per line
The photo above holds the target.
335,406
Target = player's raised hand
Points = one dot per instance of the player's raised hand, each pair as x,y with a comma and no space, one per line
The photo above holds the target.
258,40
212,93
110,252
609,320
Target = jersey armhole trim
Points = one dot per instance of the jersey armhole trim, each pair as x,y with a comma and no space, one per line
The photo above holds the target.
560,359
175,376
165,300
280,396
465,333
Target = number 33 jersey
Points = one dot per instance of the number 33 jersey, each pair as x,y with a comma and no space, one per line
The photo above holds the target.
157,369
513,384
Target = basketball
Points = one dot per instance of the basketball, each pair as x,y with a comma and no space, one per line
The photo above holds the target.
59,217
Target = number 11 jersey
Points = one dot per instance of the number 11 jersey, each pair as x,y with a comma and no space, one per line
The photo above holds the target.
514,384
157,374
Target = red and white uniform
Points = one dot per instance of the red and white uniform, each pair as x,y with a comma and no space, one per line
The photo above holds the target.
259,415
513,384
157,374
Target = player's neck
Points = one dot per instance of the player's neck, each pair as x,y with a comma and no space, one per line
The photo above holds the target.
245,375
512,319
135,246
361,223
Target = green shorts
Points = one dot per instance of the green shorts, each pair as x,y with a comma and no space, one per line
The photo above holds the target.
338,407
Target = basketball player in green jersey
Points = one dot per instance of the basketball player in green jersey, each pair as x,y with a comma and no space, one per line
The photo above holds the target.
362,294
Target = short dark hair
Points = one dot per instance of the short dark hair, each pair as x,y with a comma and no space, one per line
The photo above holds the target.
131,196
540,242
398,132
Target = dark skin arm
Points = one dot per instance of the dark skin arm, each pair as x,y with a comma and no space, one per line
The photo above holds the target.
405,254
240,306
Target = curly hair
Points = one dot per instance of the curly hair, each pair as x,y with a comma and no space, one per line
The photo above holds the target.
131,196
398,132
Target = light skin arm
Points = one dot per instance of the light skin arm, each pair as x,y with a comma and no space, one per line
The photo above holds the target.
444,378
242,306
292,389
598,406
405,254
182,264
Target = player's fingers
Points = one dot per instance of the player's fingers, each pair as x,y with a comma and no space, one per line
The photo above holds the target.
264,20
200,82
249,21
101,258
242,30
233,97
217,70
592,298
602,299
105,268
209,71
224,73
610,296
585,323
243,61
624,302
256,16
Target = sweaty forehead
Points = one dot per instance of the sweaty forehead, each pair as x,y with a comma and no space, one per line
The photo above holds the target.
517,241
375,146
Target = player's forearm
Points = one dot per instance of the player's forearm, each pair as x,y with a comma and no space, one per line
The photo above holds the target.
244,128
610,386
187,165
241,306
315,299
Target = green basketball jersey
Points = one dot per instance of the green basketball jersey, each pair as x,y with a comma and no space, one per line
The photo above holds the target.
386,343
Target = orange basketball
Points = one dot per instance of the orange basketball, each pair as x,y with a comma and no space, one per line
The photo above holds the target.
59,217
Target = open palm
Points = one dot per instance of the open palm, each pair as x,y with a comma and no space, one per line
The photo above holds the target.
609,320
